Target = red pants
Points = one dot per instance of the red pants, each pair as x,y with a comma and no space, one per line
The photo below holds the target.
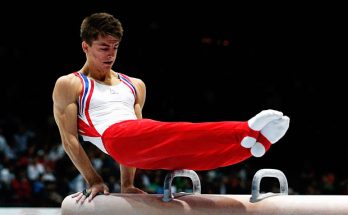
149,144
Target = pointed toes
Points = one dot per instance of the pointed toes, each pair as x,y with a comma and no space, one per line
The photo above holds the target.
276,129
263,118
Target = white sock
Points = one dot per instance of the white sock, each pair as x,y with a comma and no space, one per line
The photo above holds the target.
263,118
258,150
276,129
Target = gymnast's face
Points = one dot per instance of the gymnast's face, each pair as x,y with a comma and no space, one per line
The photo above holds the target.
101,54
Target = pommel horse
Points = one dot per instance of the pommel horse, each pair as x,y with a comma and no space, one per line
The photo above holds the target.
196,203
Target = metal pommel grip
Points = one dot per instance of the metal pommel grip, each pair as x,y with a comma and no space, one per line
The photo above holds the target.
167,193
255,189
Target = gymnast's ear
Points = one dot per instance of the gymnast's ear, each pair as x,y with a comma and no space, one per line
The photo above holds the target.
84,46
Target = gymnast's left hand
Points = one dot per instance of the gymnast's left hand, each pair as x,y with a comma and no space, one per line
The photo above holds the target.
95,189
132,189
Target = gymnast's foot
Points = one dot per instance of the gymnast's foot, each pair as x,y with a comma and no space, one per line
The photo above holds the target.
263,118
273,131
276,129
272,125
258,122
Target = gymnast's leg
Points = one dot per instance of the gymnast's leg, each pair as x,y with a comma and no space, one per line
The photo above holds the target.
150,144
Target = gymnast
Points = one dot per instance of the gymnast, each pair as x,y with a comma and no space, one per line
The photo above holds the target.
105,107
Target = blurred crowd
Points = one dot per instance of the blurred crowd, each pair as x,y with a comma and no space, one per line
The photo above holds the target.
35,171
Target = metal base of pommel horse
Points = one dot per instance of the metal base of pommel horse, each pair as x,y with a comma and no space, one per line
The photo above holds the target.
196,203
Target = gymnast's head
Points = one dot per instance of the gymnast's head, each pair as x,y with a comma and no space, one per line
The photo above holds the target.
100,25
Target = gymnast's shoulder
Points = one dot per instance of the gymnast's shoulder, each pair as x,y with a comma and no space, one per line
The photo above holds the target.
138,84
67,84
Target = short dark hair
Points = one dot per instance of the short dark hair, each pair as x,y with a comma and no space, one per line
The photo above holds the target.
100,24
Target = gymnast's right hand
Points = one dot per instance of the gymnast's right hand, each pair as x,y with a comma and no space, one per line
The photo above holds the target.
95,189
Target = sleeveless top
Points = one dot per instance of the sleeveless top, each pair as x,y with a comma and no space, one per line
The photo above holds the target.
102,105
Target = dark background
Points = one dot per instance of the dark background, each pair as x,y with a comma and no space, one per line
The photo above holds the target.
200,62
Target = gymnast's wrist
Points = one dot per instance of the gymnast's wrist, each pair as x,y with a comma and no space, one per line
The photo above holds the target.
124,189
126,185
95,180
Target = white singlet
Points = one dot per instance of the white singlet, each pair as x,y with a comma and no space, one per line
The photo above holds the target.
102,105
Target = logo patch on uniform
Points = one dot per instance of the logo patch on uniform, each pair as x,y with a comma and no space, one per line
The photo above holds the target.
113,91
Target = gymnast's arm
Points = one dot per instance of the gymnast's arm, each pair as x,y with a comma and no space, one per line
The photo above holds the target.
128,173
65,94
